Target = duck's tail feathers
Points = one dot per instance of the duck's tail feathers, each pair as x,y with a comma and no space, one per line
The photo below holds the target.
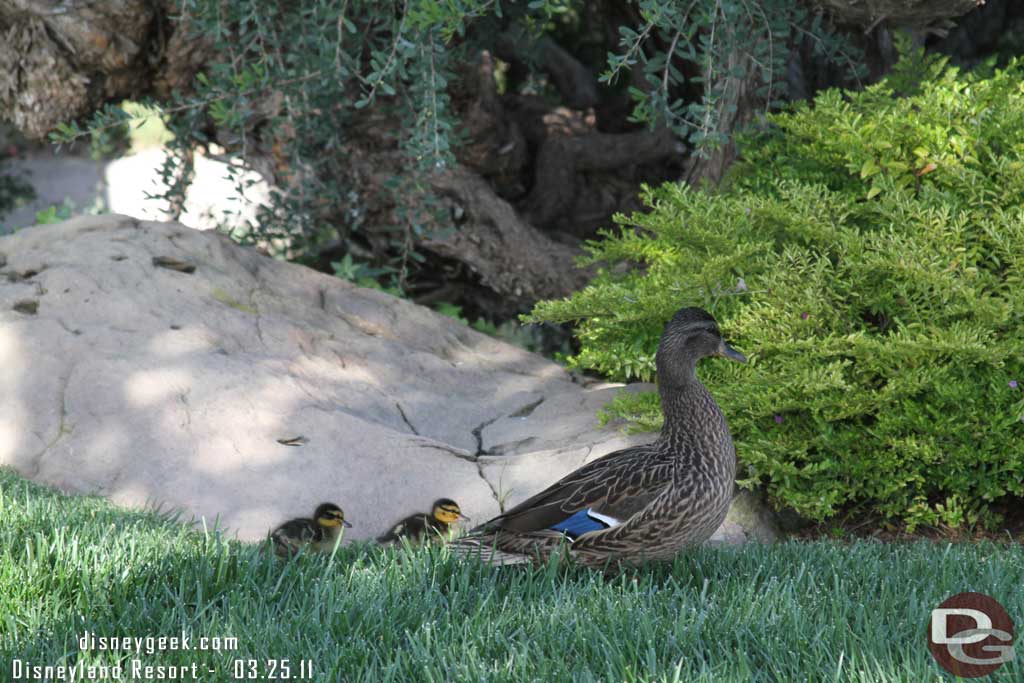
483,548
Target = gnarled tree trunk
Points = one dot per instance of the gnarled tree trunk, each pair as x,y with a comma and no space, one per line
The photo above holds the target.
60,61
916,14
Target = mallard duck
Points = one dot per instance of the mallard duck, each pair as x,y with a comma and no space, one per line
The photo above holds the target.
319,533
642,503
435,525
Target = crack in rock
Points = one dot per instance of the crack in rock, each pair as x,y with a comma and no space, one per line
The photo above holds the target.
62,428
405,418
470,457
506,448
502,449
183,399
478,434
528,409
494,492
67,329
457,452
259,317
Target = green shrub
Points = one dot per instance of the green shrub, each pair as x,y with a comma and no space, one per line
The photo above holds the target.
867,254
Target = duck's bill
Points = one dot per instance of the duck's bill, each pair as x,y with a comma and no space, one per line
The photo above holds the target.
726,351
347,524
462,516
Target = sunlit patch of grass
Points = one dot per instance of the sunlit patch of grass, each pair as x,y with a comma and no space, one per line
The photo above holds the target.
816,611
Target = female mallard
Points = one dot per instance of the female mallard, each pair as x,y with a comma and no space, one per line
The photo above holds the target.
435,526
642,503
319,533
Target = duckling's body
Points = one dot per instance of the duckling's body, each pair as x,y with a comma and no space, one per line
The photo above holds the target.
319,533
642,503
437,525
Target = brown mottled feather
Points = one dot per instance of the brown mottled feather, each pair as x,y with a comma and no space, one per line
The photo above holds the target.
618,484
295,534
667,495
417,528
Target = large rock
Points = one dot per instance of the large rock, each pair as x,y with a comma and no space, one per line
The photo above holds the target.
154,385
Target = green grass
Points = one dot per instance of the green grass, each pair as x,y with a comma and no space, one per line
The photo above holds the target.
791,612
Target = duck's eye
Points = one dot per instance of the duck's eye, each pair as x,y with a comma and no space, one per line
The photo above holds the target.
332,520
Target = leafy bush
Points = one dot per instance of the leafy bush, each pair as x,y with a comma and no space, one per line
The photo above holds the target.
867,253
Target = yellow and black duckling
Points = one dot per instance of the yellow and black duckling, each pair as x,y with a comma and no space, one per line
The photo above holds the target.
642,503
436,525
319,533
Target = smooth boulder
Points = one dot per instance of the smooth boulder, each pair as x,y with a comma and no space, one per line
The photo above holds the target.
158,365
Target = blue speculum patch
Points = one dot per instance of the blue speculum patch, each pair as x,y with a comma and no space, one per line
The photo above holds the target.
582,522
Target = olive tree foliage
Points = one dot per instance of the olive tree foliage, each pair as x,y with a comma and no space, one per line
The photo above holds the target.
306,91
726,43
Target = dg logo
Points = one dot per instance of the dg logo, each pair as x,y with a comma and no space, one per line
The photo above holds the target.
970,635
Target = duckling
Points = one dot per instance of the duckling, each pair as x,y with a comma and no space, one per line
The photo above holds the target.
319,533
435,526
642,503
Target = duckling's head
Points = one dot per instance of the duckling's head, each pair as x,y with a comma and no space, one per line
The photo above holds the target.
447,510
330,515
690,335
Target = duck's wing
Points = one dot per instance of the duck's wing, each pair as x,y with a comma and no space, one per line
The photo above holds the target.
615,486
293,534
394,533
412,526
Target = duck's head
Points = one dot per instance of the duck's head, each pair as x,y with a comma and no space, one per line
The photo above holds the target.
447,510
690,335
330,515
